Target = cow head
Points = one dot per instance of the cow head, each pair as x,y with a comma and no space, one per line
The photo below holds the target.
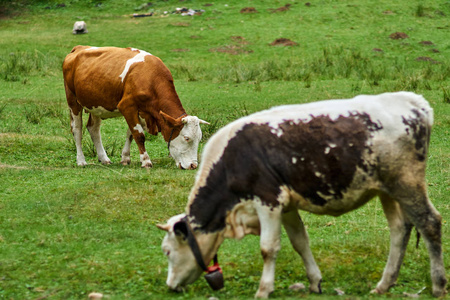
184,147
183,268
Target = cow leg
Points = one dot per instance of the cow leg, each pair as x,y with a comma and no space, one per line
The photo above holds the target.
427,220
270,219
298,236
400,231
76,124
93,126
132,117
126,159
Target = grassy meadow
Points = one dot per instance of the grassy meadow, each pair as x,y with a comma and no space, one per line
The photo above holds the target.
66,231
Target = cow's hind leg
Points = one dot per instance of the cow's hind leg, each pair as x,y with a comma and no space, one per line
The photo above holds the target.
300,241
427,220
93,127
270,246
126,158
400,231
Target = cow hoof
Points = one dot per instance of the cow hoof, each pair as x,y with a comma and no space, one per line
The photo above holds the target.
81,164
147,165
126,162
317,289
106,162
376,291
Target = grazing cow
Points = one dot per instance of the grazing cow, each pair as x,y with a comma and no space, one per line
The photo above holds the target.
327,157
110,82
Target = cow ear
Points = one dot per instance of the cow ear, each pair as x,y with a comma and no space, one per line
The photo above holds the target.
169,120
164,227
180,229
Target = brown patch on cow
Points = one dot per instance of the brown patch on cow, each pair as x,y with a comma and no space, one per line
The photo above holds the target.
283,42
280,9
248,10
317,159
398,36
426,43
416,126
180,50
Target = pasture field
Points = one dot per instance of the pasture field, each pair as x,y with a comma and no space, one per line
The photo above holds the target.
67,231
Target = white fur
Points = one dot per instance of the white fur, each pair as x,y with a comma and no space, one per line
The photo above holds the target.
140,57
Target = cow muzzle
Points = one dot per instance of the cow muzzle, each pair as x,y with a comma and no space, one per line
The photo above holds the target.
192,166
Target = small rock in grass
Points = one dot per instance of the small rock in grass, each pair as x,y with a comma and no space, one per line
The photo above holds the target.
297,286
95,296
339,292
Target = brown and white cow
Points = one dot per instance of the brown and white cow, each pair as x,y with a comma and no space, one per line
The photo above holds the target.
109,82
328,157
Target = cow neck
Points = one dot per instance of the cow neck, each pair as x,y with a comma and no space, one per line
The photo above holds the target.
192,242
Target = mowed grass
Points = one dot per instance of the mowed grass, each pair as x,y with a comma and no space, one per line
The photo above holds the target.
67,231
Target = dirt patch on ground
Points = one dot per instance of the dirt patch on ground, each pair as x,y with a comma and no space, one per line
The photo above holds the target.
239,39
249,10
428,43
429,59
231,49
238,46
398,36
283,42
181,24
280,9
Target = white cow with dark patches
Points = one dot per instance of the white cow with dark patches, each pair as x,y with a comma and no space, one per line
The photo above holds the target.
327,157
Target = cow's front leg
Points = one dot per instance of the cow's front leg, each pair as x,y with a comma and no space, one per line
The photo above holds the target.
300,241
270,220
130,112
93,127
400,231
126,159
76,124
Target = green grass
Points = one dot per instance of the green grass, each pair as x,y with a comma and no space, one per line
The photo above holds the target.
67,231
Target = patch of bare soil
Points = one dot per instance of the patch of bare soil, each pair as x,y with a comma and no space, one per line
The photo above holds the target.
283,42
231,49
239,39
181,24
249,10
429,59
377,50
238,46
280,9
426,43
398,36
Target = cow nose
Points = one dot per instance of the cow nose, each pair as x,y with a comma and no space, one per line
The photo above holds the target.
193,166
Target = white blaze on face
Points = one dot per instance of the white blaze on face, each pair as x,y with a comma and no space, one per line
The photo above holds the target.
140,57
184,147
